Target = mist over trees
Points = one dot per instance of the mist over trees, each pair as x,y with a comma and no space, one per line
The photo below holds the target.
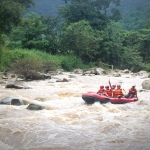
90,30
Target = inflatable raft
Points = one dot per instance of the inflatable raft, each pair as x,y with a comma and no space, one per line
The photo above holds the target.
91,98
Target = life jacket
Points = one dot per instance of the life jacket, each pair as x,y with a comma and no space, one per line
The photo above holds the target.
108,92
117,92
132,91
101,91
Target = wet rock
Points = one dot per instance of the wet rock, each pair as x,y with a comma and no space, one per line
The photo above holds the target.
62,80
47,76
144,77
91,74
100,71
12,76
13,85
142,90
34,107
53,72
59,72
2,82
78,71
146,84
12,101
142,73
26,87
93,71
116,74
88,72
125,71
72,76
4,77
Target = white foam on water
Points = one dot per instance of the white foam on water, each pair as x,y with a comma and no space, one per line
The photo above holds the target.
67,123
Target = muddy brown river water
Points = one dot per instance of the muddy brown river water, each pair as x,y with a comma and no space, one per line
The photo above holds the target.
67,123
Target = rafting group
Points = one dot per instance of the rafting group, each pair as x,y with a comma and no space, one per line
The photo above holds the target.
116,91
113,94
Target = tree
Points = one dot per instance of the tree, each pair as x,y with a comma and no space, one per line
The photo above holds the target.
81,40
111,46
144,44
94,11
11,12
131,57
136,18
35,32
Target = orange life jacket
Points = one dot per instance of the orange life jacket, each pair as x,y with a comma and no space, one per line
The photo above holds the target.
132,91
108,92
117,92
101,91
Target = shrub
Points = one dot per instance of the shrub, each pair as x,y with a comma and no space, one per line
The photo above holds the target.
71,62
27,67
147,67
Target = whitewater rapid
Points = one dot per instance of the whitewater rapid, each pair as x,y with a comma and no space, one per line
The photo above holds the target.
67,123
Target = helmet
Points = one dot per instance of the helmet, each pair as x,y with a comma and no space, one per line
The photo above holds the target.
101,86
118,85
106,86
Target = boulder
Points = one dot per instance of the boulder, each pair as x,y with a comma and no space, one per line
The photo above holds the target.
100,71
125,71
62,80
142,72
52,72
78,71
116,75
12,76
71,76
93,71
47,76
2,82
146,84
88,72
4,77
59,71
13,85
12,101
34,107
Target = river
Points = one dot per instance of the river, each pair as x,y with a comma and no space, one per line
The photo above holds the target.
67,123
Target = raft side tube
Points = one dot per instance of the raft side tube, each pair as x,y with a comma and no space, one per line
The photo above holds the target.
92,99
88,99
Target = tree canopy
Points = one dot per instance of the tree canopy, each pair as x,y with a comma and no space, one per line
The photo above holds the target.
94,11
11,12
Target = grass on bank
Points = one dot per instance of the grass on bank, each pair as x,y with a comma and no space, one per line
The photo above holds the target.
49,62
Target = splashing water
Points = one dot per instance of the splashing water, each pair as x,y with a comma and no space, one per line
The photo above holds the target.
67,123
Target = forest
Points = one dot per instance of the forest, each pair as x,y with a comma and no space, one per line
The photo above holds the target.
74,34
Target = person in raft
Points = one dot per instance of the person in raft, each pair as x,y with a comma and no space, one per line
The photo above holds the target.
113,87
118,92
101,91
108,91
132,92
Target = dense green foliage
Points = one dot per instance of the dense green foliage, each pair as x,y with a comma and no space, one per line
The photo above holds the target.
136,18
11,12
84,32
80,40
94,11
47,61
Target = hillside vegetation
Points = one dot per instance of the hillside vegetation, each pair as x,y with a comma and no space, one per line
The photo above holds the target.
82,34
